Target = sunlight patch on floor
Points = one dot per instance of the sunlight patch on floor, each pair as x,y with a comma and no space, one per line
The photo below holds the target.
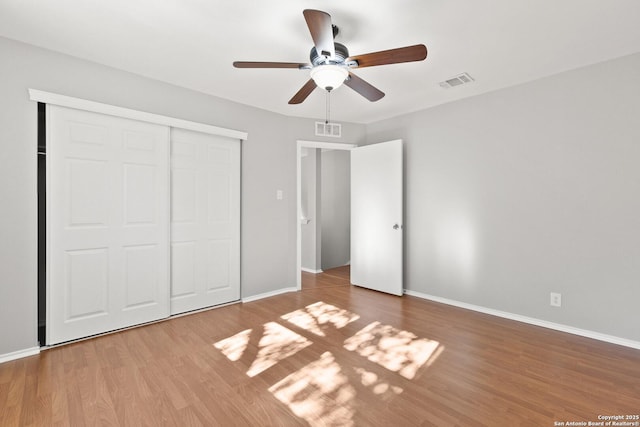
320,315
399,351
234,347
324,393
378,386
319,393
277,343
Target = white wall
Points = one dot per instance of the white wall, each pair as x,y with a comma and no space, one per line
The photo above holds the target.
268,164
336,208
529,190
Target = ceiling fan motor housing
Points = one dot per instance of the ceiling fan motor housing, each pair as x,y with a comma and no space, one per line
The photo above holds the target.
342,53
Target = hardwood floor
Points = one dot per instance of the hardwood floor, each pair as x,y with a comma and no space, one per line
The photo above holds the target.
336,277
332,354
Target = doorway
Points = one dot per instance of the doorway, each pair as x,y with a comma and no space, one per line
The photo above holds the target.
303,148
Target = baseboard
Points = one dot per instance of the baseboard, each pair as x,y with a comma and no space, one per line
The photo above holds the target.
530,320
19,354
269,294
308,270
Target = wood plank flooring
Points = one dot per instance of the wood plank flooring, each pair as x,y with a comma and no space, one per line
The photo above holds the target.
332,354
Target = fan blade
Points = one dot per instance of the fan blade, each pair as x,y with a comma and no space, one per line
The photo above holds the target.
392,56
303,92
363,88
249,64
319,24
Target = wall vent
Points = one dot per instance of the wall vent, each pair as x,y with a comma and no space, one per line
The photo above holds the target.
333,130
458,80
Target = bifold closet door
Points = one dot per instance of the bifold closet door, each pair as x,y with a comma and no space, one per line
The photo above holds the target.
107,223
205,220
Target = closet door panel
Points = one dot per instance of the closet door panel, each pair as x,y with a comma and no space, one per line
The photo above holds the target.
82,267
221,262
183,270
205,218
107,223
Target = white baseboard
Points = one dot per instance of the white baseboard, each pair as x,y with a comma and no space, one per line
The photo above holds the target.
308,270
269,294
19,354
530,320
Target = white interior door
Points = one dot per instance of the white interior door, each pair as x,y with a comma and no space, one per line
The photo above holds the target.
107,223
376,217
205,220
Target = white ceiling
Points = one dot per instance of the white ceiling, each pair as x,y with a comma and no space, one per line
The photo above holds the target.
192,43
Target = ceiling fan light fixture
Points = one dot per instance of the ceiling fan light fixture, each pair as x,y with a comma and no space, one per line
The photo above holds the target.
330,76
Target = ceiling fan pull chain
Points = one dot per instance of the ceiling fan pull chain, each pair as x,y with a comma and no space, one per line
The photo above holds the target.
328,109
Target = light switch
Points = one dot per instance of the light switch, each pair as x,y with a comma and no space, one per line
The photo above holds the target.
279,195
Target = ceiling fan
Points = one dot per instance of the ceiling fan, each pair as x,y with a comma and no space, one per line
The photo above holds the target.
330,61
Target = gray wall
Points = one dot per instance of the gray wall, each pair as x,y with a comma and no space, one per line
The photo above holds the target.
335,208
529,190
268,165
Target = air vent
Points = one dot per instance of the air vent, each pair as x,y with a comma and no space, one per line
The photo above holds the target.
458,80
333,130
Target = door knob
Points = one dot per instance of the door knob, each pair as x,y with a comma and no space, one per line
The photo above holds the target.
396,226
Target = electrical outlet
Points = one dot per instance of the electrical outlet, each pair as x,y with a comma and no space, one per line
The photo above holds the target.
556,299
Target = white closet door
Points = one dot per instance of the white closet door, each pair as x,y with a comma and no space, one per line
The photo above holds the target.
205,220
107,223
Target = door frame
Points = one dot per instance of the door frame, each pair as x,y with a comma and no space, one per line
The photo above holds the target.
299,148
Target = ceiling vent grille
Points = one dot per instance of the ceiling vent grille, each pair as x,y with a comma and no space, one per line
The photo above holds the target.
333,130
458,80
